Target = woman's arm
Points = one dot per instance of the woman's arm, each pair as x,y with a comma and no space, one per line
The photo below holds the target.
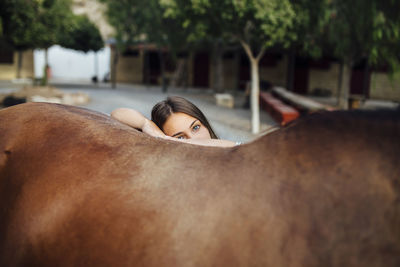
204,142
136,120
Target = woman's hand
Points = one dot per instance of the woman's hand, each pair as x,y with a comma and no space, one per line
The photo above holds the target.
152,129
136,120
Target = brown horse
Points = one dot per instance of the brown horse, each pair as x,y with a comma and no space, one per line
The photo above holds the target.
78,188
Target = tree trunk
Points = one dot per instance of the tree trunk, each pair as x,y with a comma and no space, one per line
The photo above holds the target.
164,82
114,67
339,85
188,71
345,87
146,67
255,86
366,80
218,68
96,67
220,73
46,57
290,69
254,97
236,70
19,66
45,79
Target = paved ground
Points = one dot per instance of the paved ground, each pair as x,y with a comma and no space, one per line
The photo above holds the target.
231,124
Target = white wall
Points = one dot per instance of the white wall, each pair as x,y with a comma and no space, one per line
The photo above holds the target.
68,64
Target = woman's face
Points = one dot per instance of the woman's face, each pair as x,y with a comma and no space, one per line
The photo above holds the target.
181,125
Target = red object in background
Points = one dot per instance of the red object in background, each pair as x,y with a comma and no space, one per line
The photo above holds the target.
48,72
281,112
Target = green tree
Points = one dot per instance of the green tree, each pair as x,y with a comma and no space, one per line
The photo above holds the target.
33,24
165,32
309,31
125,17
255,24
207,29
363,30
54,16
19,26
81,34
137,21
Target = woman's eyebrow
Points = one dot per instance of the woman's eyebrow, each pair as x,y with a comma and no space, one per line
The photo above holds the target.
176,134
192,123
189,127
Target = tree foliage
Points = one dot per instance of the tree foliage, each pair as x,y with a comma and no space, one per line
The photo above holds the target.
255,24
365,29
40,24
54,16
81,34
31,24
137,21
310,26
261,23
19,25
35,23
125,17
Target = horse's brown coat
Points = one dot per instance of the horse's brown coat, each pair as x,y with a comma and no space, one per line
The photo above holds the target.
77,188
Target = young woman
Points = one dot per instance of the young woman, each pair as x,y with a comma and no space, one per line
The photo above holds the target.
174,119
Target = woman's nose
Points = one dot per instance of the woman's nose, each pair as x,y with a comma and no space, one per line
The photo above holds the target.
190,135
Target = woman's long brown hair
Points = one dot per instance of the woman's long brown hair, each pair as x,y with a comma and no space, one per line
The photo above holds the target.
162,110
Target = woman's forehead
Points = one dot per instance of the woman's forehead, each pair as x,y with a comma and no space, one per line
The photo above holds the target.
177,122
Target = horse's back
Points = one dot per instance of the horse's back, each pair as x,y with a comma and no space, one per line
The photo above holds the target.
79,188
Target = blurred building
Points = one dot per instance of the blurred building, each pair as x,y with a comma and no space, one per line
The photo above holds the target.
67,65
142,64
9,63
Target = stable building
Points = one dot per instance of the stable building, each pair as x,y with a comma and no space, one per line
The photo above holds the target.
9,62
142,64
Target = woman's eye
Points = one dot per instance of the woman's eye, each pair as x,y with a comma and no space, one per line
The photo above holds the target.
196,127
181,137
